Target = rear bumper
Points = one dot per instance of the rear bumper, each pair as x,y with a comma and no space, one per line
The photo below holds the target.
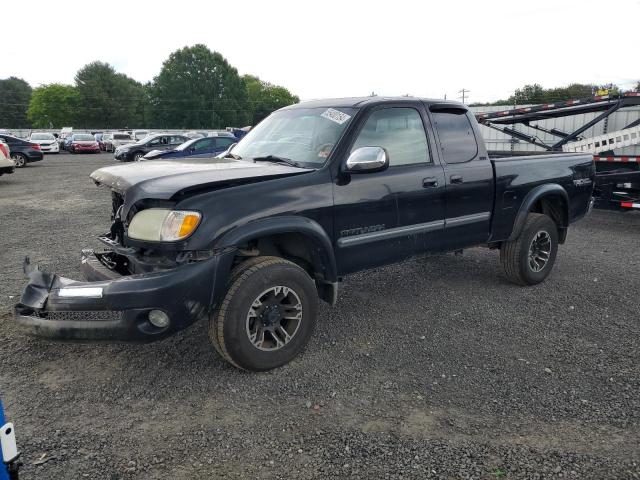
113,307
10,169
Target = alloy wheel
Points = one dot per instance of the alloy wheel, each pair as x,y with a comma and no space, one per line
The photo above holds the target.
274,318
539,251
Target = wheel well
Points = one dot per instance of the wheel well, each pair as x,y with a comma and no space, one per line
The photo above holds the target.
297,248
555,207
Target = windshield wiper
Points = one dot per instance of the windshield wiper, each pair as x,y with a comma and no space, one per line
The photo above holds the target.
276,159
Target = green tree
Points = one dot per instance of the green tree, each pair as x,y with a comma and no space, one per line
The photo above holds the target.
197,88
264,97
108,99
54,106
14,100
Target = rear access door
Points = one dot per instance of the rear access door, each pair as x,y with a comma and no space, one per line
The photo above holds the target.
468,175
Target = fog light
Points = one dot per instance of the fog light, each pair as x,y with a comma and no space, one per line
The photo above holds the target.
158,318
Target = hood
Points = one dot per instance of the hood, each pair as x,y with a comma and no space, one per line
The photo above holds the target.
164,179
85,142
44,142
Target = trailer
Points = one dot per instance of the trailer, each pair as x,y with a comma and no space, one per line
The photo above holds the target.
617,176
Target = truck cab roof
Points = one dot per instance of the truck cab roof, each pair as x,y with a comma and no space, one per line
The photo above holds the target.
358,102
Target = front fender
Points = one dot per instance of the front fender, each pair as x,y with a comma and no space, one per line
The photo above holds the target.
323,257
549,189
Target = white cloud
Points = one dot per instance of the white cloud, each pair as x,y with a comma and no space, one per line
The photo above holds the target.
337,48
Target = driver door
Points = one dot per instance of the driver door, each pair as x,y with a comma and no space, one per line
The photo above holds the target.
384,217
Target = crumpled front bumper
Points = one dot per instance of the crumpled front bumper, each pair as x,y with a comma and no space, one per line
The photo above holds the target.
110,306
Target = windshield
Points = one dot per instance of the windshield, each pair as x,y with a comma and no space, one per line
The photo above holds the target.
84,138
42,136
121,136
305,135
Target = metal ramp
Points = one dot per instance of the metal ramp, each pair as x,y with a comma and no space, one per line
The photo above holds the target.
607,142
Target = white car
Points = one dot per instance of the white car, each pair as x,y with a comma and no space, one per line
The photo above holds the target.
47,142
6,164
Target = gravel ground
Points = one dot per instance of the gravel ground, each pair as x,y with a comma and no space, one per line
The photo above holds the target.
435,368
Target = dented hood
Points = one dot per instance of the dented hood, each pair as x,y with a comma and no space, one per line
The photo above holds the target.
163,179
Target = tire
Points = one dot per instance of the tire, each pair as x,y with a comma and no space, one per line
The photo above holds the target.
137,156
20,160
231,322
526,263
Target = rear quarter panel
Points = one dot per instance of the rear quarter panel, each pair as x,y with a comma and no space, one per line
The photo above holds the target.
517,176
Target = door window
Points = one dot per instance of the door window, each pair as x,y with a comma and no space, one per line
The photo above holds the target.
204,144
224,142
400,132
176,140
457,139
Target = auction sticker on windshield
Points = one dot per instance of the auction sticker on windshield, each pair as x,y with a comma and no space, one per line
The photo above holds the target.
335,116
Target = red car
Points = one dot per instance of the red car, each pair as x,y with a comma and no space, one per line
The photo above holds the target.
83,142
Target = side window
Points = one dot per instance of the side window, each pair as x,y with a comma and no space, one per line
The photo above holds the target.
204,144
400,132
224,142
177,140
456,135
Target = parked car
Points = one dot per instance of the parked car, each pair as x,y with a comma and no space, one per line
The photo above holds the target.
160,141
102,143
196,147
315,192
83,142
22,151
112,141
47,142
6,164
65,133
138,135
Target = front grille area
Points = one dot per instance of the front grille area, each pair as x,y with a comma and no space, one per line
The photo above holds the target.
93,316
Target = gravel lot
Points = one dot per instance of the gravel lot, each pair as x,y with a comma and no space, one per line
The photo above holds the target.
435,368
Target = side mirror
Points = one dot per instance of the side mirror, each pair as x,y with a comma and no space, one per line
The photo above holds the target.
367,159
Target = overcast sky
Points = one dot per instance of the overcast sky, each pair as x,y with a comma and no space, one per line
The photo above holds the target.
328,48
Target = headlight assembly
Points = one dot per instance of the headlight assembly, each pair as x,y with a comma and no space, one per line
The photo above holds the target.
163,225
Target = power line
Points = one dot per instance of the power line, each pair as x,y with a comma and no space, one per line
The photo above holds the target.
464,91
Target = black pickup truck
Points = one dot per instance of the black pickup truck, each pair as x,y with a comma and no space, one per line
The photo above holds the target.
250,241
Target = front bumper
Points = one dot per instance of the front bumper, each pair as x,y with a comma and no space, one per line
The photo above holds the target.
110,306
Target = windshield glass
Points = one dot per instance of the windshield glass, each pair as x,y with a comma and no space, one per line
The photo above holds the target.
121,136
305,135
83,138
42,136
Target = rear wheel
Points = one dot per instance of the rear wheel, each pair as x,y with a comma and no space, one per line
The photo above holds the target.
19,159
529,259
267,316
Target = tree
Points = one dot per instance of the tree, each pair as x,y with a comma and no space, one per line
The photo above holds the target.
54,106
197,88
14,94
108,99
264,97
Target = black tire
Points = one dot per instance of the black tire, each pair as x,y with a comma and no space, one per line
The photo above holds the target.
229,324
20,160
516,255
137,156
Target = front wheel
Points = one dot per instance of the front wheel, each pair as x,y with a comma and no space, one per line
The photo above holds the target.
267,316
529,259
137,157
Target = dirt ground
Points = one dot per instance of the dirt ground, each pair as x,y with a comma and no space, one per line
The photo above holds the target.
435,368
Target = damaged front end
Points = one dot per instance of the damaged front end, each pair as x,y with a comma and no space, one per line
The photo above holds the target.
111,305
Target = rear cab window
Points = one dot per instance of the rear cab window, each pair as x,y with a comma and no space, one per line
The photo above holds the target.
457,139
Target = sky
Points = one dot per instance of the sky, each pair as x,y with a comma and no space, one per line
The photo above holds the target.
329,48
